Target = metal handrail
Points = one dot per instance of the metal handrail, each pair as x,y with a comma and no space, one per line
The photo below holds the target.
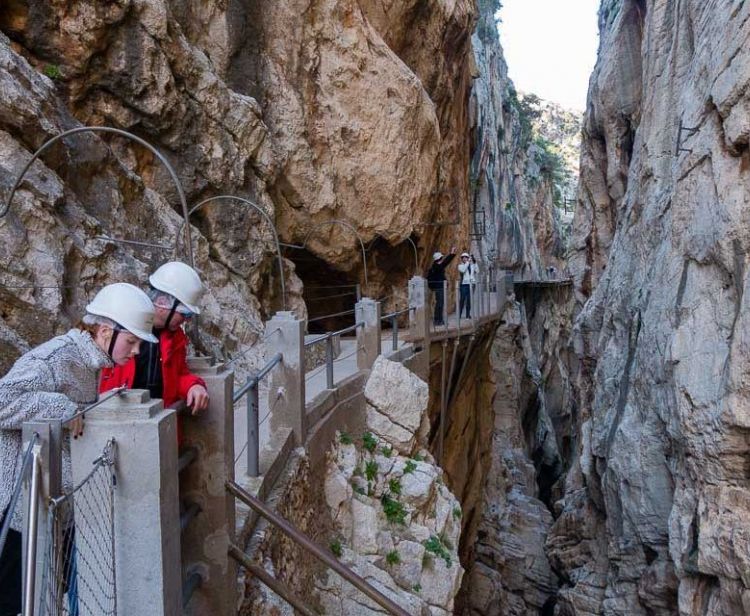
121,133
31,533
306,543
328,335
393,318
275,585
186,458
398,314
250,388
191,511
330,316
257,377
110,394
193,581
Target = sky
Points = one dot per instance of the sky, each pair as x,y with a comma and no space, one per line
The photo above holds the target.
550,47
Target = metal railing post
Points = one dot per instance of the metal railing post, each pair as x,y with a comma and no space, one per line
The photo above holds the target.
443,404
253,429
329,362
458,305
32,521
445,304
49,463
419,325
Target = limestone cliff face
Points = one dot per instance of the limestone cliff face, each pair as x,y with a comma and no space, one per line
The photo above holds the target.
366,105
323,110
655,509
515,195
509,434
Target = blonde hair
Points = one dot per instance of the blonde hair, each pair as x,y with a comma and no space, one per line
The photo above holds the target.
92,322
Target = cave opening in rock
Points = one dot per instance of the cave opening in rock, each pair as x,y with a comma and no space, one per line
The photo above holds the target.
327,291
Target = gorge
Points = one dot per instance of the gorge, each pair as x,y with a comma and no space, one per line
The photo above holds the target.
598,439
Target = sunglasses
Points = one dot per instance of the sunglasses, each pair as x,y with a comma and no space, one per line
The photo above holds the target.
184,311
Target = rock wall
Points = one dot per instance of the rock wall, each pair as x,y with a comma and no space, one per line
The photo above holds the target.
654,512
379,502
511,431
316,111
522,231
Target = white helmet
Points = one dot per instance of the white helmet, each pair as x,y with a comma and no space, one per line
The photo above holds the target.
465,254
127,306
181,282
437,256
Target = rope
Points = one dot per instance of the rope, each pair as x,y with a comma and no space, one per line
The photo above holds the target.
246,351
320,369
106,459
333,286
330,316
322,297
260,423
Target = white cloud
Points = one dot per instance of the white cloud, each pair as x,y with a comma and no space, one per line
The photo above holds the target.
550,47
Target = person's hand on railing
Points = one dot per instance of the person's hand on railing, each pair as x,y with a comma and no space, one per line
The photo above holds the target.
76,426
197,399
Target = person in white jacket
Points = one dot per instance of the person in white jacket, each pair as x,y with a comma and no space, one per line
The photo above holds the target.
469,272
54,381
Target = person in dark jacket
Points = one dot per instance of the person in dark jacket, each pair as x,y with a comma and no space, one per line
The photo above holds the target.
436,280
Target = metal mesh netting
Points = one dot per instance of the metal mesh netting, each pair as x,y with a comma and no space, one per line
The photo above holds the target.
79,564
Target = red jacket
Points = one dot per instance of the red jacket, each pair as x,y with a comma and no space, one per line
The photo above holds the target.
176,377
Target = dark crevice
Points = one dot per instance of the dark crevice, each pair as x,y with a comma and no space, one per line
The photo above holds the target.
327,291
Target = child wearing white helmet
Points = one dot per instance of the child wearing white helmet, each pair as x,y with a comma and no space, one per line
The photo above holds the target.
176,291
54,381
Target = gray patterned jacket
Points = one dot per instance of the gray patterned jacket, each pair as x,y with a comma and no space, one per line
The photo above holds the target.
54,380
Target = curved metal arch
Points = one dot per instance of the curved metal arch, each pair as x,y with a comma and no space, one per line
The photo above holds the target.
336,221
416,255
123,133
265,215
408,239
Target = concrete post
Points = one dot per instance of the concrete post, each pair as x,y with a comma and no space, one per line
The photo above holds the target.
289,376
419,317
146,510
419,325
368,312
206,539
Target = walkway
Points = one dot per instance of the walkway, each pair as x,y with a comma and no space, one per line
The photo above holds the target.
345,366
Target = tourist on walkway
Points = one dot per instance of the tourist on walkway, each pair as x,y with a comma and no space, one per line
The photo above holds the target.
436,280
161,367
54,381
469,273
